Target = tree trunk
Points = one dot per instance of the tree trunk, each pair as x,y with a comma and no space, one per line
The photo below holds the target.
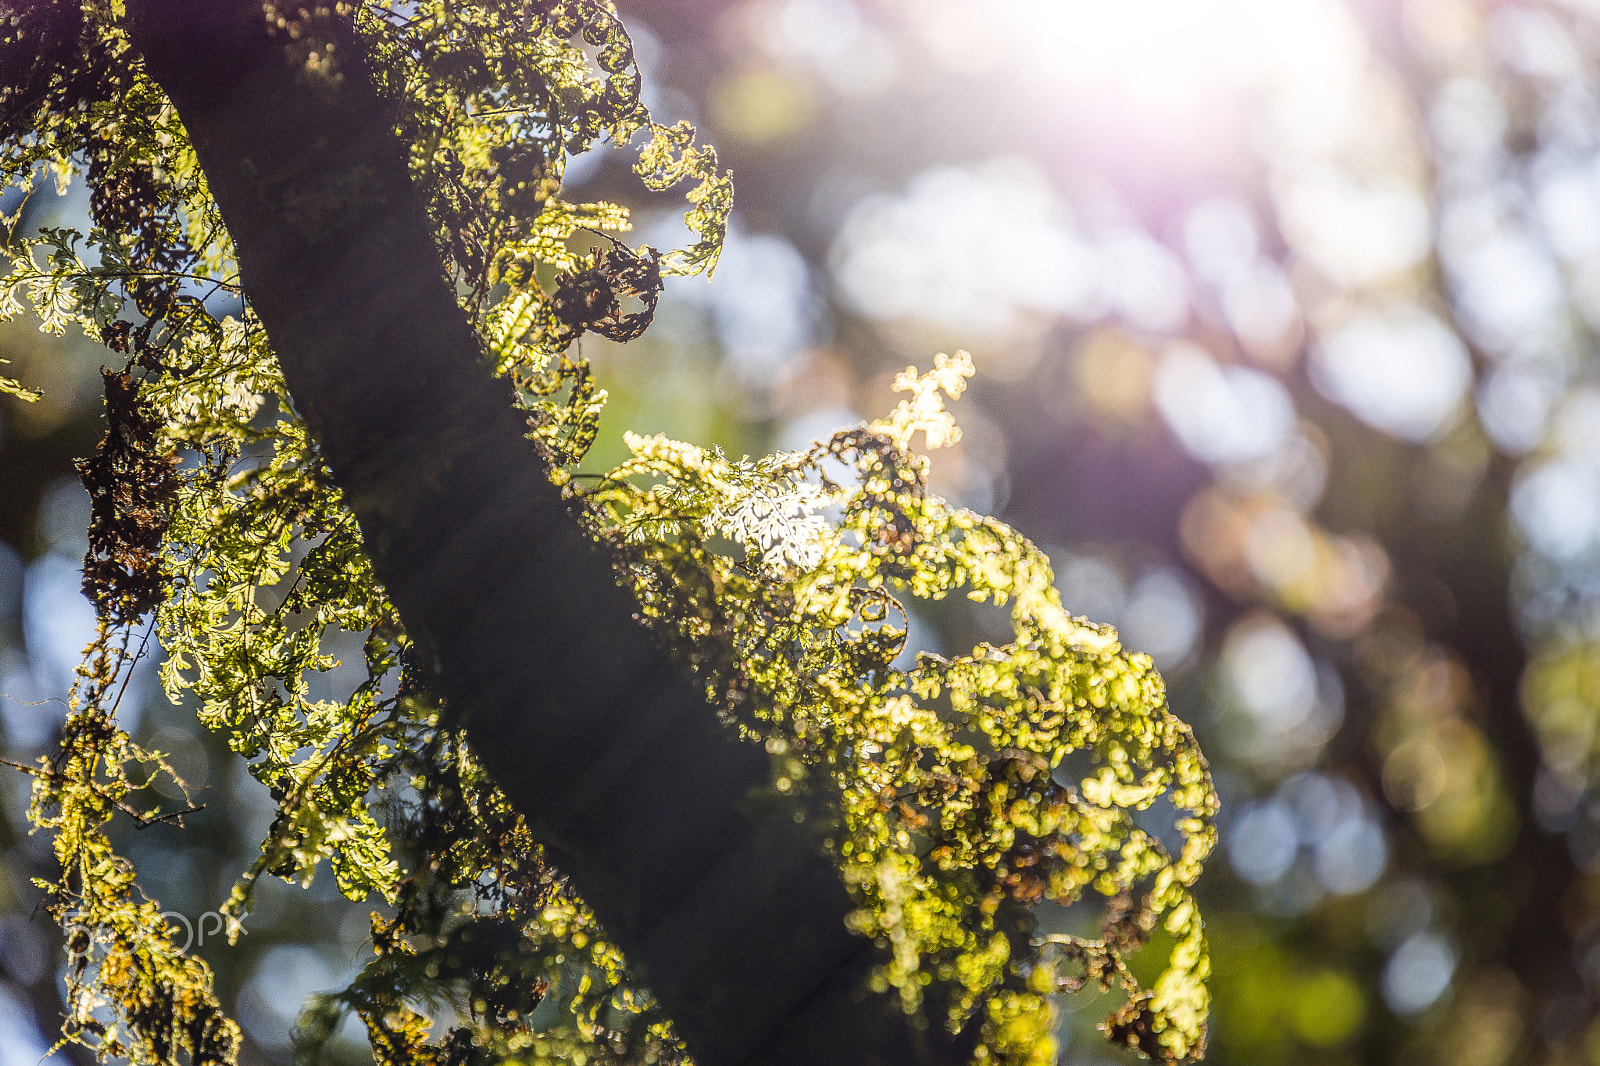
716,887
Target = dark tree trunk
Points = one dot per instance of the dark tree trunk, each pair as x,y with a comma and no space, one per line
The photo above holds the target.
715,886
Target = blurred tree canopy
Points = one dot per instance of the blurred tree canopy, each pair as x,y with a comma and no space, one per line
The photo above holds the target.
1284,314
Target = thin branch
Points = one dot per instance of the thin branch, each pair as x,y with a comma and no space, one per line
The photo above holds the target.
141,819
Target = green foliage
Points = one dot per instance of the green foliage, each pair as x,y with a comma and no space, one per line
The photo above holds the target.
973,787
953,822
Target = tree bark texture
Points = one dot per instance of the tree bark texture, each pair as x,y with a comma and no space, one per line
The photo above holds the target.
715,886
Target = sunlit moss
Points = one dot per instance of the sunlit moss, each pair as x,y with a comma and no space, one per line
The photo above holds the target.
777,581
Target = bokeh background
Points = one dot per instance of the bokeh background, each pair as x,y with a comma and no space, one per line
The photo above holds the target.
1286,316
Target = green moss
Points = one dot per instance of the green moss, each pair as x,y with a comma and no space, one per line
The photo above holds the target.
954,817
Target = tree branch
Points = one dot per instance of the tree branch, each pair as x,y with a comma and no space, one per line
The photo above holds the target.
714,885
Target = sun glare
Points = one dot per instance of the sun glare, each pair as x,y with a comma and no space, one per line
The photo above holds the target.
1174,71
1170,54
